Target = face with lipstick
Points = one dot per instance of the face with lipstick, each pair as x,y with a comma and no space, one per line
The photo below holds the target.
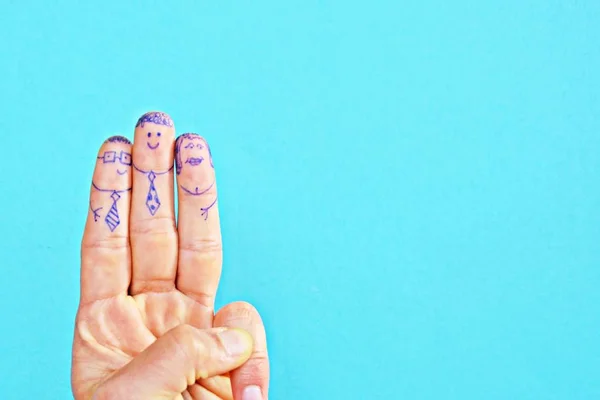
194,163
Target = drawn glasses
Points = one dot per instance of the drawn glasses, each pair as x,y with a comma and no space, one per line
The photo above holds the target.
111,157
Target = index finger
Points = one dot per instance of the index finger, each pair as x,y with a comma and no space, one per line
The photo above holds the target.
105,252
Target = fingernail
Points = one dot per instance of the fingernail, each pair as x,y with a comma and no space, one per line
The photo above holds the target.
236,341
252,393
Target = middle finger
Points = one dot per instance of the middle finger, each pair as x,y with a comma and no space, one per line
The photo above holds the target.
152,222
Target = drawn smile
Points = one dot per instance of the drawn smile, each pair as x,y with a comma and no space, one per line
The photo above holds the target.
152,147
121,173
194,161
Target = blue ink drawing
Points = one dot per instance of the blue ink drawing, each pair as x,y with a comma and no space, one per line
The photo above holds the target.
194,162
110,157
196,191
157,118
206,209
152,199
118,139
150,146
112,218
179,142
95,212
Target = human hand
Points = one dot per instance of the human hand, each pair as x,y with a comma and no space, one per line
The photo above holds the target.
146,327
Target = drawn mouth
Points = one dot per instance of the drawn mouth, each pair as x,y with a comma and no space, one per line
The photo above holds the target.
193,161
121,173
152,147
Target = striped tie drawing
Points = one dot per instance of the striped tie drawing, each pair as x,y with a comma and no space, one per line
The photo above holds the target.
112,217
152,201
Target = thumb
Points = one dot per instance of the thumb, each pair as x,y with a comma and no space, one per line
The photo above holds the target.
175,361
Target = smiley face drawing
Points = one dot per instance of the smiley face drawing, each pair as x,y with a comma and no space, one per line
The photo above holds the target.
153,134
149,142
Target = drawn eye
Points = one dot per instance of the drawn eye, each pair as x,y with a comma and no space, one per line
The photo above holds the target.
109,157
158,134
125,158
200,146
149,134
189,146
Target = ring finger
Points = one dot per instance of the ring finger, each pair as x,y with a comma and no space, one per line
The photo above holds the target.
200,255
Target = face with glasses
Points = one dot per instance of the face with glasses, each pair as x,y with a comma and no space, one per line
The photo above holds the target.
116,168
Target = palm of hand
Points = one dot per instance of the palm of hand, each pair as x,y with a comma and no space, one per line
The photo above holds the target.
111,332
141,273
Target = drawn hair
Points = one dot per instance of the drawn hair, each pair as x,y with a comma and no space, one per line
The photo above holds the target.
157,118
118,139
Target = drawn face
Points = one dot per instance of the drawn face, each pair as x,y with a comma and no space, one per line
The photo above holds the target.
153,142
194,161
153,139
115,164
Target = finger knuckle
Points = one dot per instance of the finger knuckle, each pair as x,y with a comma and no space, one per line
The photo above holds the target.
112,242
254,370
151,286
203,246
155,226
204,300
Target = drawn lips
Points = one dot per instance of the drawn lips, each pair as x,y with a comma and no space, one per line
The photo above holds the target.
193,161
121,173
152,147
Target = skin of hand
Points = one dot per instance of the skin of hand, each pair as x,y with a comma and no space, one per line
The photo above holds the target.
146,327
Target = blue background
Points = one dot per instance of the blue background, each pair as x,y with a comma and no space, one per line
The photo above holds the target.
409,190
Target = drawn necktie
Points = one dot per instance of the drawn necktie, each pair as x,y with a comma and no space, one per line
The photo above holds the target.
152,201
112,217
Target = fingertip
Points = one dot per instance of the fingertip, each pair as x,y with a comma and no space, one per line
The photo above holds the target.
156,118
154,138
154,127
115,142
252,392
118,139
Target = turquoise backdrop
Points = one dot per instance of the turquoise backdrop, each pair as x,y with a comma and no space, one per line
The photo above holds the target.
409,190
